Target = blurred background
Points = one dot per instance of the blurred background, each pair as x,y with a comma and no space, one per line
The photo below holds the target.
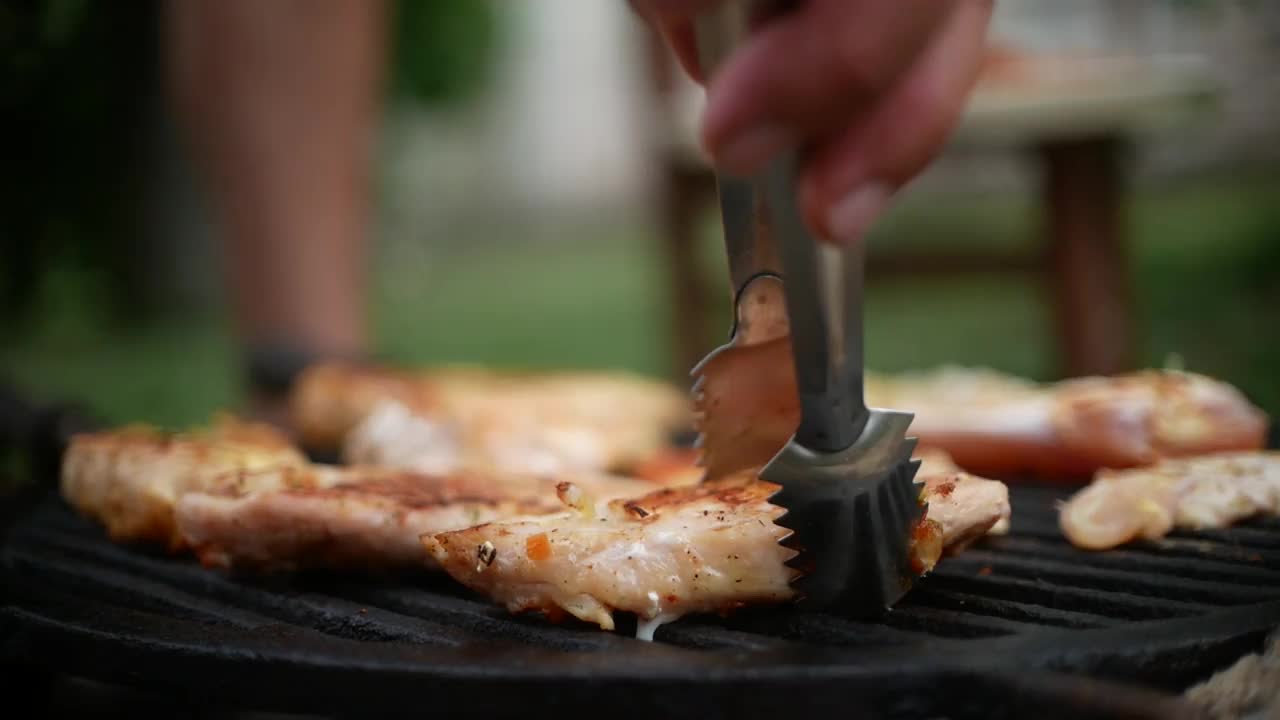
1110,202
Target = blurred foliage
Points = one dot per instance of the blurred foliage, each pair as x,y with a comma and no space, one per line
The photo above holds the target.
442,50
79,92
1206,266
74,85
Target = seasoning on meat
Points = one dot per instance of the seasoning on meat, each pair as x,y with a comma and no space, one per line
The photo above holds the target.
537,547
710,547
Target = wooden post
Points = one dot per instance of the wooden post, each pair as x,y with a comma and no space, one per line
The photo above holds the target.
1093,301
685,192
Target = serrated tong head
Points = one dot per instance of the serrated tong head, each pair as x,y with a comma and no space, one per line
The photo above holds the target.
852,516
845,474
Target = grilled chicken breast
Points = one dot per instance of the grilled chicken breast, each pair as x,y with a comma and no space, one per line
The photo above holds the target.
363,518
239,494
704,548
525,421
708,547
1210,491
990,423
129,478
966,494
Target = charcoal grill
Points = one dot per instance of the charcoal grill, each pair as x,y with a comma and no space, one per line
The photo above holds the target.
1023,625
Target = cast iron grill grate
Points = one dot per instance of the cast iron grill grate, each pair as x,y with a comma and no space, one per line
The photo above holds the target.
1161,614
1016,626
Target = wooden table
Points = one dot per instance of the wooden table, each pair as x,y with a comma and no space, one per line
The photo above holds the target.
1076,118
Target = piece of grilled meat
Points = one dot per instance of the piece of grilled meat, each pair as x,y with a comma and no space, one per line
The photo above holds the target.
358,518
1208,491
992,424
240,495
707,547
533,421
129,478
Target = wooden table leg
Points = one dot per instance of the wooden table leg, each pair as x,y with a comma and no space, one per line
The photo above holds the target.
686,195
1093,300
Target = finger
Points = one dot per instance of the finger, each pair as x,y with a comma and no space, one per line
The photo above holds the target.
673,10
684,10
802,75
848,181
673,20
684,44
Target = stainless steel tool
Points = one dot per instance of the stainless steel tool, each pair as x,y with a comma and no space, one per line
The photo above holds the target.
754,269
755,272
846,476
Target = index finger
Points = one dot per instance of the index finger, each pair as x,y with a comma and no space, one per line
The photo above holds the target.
673,19
803,75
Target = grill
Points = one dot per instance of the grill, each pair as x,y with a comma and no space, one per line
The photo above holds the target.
1016,625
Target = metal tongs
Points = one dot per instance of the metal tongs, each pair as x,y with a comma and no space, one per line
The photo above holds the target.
846,476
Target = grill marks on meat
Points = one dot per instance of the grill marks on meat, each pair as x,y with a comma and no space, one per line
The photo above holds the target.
338,517
706,548
129,478
239,495
1209,491
363,518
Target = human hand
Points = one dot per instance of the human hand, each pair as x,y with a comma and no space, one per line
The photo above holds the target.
867,90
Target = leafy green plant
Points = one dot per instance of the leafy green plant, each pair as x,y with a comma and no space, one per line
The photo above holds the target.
442,49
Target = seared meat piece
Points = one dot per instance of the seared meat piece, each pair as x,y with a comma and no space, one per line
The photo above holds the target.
966,494
671,467
129,478
967,507
544,422
240,494
328,399
710,547
990,423
702,548
364,518
1209,491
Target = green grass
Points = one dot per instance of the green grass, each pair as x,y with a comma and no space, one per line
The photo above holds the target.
1206,259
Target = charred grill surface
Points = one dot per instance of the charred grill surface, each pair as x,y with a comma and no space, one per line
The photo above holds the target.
1162,614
